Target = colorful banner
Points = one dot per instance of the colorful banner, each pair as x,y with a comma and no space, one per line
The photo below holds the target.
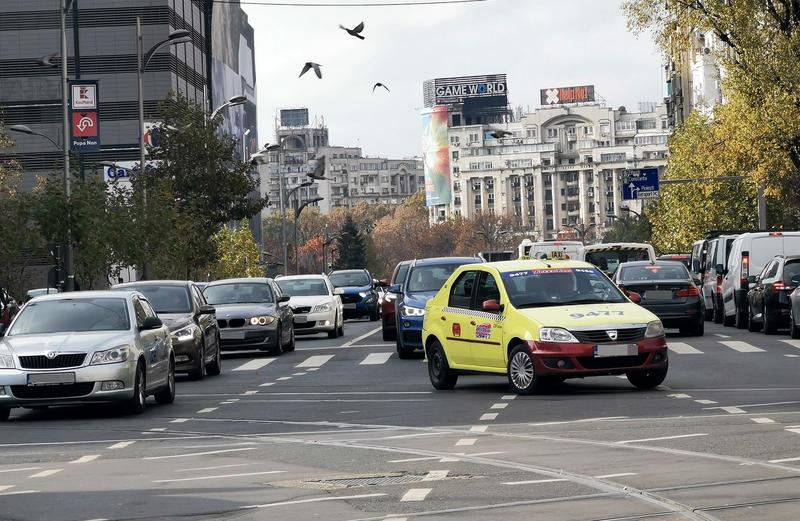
436,156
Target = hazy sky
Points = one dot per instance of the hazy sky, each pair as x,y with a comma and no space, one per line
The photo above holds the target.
537,43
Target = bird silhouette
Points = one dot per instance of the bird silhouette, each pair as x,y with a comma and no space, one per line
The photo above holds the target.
379,84
355,31
311,65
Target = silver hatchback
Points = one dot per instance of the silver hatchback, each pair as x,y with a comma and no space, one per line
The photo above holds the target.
93,346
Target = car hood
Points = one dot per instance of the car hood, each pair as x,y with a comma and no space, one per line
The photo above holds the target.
83,342
354,289
226,311
418,300
176,321
587,316
310,300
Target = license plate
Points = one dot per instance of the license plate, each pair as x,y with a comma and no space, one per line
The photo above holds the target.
300,320
658,295
51,379
604,351
231,335
349,306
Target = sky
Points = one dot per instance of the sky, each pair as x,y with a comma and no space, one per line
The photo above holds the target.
537,43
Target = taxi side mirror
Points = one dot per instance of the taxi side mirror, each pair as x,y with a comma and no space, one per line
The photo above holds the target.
491,306
634,297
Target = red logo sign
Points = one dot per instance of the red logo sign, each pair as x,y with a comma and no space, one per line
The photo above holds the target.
84,124
457,330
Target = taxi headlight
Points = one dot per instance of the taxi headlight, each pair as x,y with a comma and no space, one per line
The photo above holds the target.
413,312
321,308
262,321
556,334
654,329
111,356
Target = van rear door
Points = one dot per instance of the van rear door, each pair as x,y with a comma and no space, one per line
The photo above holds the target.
762,249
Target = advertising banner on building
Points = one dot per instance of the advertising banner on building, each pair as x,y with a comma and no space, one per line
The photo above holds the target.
85,133
563,95
436,156
446,91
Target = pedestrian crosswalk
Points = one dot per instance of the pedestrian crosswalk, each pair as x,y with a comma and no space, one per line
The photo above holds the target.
684,348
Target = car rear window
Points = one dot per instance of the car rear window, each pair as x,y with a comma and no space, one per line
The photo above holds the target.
653,272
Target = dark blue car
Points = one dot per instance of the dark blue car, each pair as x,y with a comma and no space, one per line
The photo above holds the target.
357,291
424,279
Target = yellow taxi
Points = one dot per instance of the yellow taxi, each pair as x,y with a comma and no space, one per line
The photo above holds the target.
540,322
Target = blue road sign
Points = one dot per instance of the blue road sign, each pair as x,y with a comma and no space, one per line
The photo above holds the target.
640,184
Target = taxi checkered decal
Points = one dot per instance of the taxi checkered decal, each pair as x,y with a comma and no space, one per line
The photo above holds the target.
474,313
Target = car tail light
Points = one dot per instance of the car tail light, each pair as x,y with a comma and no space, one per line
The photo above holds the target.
779,286
688,292
775,234
719,284
744,282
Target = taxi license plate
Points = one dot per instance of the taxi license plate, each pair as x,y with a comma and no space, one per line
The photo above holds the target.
231,335
51,379
604,351
300,319
349,306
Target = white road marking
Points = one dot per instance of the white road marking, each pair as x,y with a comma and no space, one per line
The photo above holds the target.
742,347
180,420
448,460
466,442
254,365
499,406
19,470
158,429
86,459
249,393
792,356
784,460
121,445
45,473
534,481
417,435
312,369
489,416
299,374
763,420
661,438
679,395
233,399
584,420
796,431
621,377
792,342
207,410
219,476
435,475
620,475
416,494
216,467
376,359
732,410
314,361
362,337
225,403
408,460
5,487
199,453
720,335
478,428
312,500
509,397
396,519
682,348
19,492
284,378
268,384
706,402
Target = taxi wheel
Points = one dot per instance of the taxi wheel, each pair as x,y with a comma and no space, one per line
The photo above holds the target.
4,414
647,379
521,373
442,377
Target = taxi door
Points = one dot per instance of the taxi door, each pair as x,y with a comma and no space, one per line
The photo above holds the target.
455,318
486,328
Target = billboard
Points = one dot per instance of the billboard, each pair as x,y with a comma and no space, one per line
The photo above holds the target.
446,91
85,136
436,156
562,95
294,117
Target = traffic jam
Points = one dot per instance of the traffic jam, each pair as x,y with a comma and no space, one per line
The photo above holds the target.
560,310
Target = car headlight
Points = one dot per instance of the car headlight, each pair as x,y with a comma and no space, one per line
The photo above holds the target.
262,321
556,334
111,356
413,312
654,329
185,332
6,360
321,308
363,293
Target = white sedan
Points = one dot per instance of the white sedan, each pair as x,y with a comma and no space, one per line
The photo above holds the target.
316,304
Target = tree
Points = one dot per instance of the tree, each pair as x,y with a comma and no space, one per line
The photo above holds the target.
631,228
351,247
237,253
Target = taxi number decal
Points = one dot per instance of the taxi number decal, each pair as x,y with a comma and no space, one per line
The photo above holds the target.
483,331
597,314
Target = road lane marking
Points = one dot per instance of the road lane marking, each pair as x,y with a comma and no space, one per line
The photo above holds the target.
158,429
86,459
376,359
299,374
312,369
796,431
742,347
314,361
45,473
584,420
499,406
121,445
416,435
784,460
225,403
254,365
478,428
509,397
268,384
396,519
18,492
792,342
416,494
408,460
792,356
219,476
216,467
5,487
435,475
249,393
661,438
732,410
679,395
682,348
463,442
312,500
619,475
535,481
180,420
763,420
489,416
207,410
284,378
199,453
720,335
706,402
20,470
362,337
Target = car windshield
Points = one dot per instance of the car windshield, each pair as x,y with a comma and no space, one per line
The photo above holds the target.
345,279
303,287
72,315
609,261
559,287
239,293
429,278
791,271
165,299
653,272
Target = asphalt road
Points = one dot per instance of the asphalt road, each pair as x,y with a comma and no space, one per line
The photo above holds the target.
342,430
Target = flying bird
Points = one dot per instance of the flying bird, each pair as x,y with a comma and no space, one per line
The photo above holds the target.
311,65
379,84
355,31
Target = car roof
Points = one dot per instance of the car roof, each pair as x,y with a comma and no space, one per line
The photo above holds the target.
239,280
436,261
106,293
296,277
657,262
617,246
533,264
152,283
357,270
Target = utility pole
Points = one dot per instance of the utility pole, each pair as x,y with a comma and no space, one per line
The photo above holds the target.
69,268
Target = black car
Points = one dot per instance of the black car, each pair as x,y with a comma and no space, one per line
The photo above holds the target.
252,313
769,300
357,290
183,309
667,290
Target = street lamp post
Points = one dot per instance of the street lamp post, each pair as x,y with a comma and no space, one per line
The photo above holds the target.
297,213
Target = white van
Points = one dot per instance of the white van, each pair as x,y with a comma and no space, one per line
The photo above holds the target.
550,249
717,254
750,252
609,256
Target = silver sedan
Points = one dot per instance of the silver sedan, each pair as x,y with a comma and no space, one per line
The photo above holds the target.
93,346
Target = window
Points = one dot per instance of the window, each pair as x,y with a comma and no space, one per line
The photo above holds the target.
455,140
588,131
487,290
646,124
625,125
609,158
530,132
650,140
461,292
138,309
552,132
455,155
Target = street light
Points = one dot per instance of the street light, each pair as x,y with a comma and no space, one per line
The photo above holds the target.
232,102
297,213
24,129
629,210
174,38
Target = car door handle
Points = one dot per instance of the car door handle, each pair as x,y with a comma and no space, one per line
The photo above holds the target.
443,318
472,322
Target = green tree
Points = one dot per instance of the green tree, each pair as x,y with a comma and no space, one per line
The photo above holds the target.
630,228
237,253
351,247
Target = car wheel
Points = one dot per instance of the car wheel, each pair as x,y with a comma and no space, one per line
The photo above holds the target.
719,313
708,314
288,348
167,394
215,367
740,318
276,348
521,373
341,327
200,372
335,332
648,379
442,377
403,353
374,316
752,325
135,405
770,327
4,414
388,334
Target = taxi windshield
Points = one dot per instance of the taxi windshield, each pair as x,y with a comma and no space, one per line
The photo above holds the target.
559,287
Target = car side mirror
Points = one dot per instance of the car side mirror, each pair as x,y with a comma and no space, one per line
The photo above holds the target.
151,323
396,288
697,282
338,291
719,268
491,306
207,310
284,298
634,297
795,280
752,279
